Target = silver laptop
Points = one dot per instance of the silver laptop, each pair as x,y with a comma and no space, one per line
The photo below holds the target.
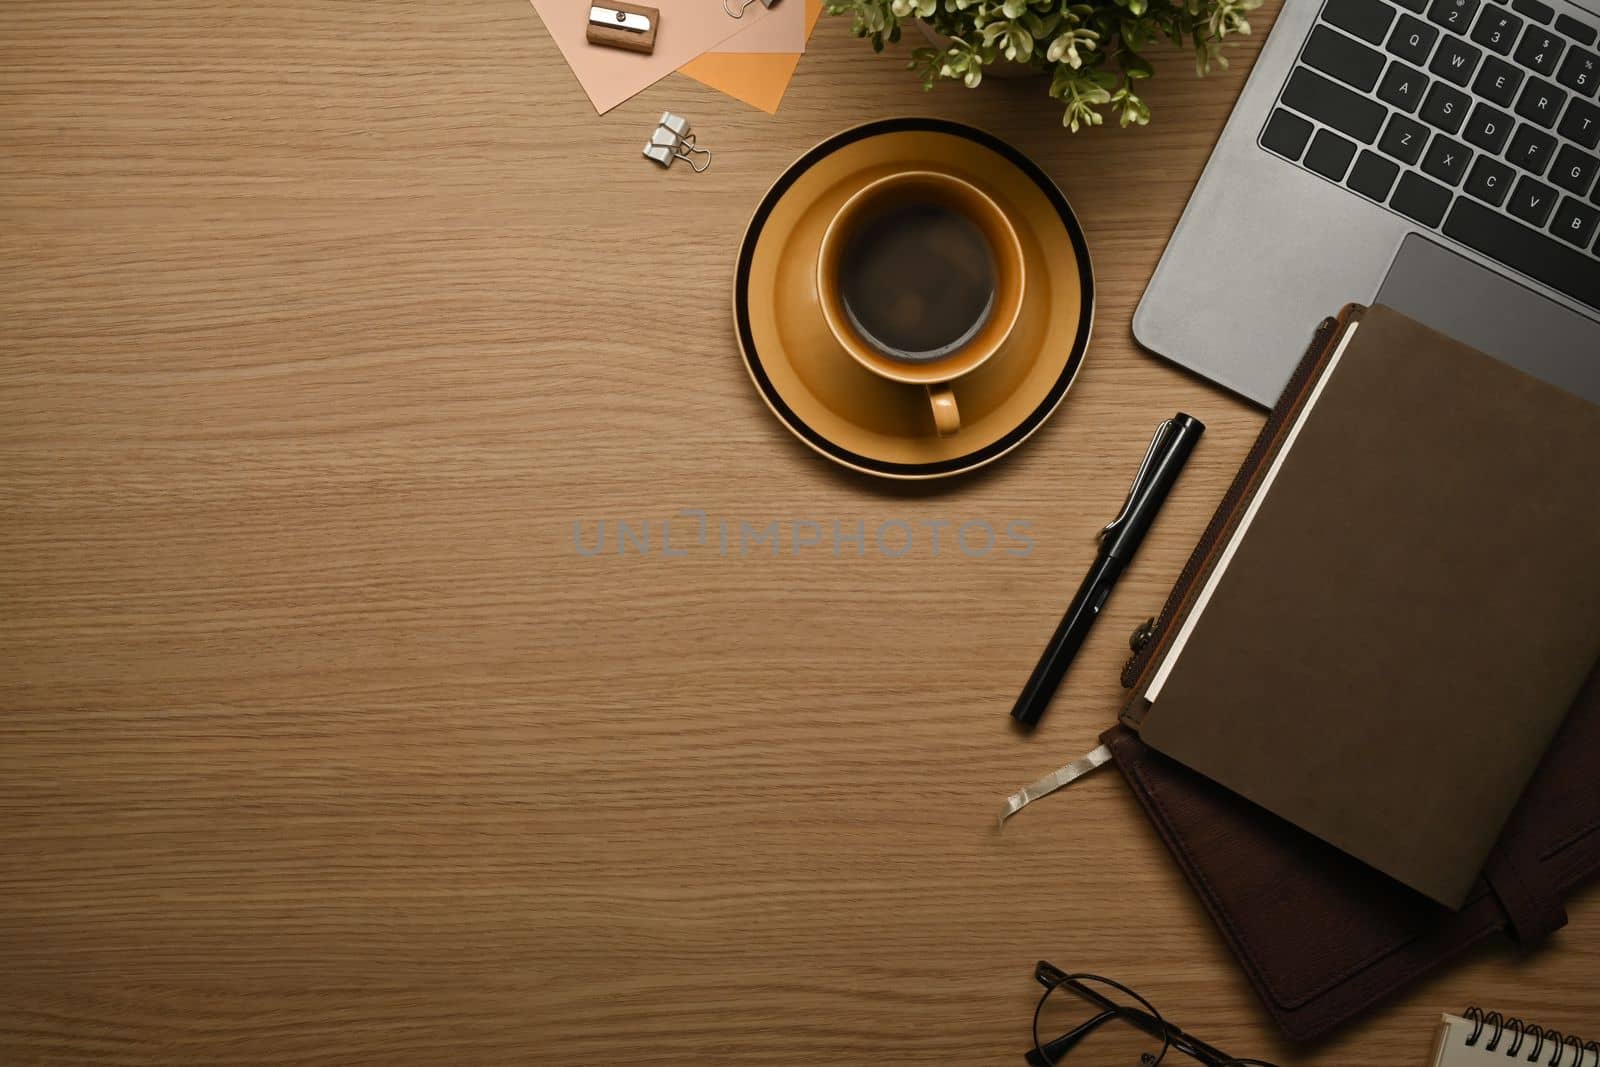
1438,156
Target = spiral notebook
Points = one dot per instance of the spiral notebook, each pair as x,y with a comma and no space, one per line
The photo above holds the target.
1478,1040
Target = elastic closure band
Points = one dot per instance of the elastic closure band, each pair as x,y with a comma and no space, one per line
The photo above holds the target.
1534,912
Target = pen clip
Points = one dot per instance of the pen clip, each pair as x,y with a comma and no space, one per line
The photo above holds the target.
1145,467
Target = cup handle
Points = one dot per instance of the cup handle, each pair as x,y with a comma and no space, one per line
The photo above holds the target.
946,416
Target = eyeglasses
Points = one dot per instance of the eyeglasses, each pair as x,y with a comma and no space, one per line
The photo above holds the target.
1121,1027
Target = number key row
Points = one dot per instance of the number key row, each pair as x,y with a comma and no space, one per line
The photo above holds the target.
1497,29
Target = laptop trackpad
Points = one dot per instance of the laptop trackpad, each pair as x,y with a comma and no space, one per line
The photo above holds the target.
1452,294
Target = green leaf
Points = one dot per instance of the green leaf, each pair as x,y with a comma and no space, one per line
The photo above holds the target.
1094,50
1135,66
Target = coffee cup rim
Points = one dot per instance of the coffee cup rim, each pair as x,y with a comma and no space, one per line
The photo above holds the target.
956,364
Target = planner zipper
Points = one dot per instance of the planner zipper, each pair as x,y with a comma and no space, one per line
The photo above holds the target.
1137,664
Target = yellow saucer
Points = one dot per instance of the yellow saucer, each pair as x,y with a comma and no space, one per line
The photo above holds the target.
838,407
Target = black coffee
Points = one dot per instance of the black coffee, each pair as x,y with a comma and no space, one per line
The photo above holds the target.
917,280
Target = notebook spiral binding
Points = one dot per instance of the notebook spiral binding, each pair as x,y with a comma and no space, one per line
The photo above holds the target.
1521,1032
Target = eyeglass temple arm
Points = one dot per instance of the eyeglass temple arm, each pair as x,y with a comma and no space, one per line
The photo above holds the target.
1064,1044
1209,1055
1050,976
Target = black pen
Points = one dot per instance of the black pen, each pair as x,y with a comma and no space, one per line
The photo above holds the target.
1169,451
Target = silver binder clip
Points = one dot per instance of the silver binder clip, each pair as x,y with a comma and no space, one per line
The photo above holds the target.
738,12
676,124
672,140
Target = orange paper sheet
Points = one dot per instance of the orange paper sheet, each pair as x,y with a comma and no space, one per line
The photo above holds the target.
759,79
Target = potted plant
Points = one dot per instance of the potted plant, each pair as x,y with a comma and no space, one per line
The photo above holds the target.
1091,51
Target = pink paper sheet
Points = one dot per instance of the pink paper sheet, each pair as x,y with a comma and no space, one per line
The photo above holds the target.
782,30
688,28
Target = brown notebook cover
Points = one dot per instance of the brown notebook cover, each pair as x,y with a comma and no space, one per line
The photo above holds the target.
1321,935
1404,610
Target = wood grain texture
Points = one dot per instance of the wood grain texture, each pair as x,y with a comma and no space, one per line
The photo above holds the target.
322,743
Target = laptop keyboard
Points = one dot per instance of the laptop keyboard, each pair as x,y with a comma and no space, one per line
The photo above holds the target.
1474,118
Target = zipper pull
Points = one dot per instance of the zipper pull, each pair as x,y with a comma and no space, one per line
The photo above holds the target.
1141,637
1142,634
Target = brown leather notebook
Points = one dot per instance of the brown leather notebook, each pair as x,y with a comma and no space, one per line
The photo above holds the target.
1322,935
1402,610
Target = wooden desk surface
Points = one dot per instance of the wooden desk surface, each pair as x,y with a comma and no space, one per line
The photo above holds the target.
323,323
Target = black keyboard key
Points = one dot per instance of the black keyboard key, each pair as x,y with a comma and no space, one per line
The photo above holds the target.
1489,128
1286,134
1404,139
1412,40
1498,81
1581,123
1403,86
1534,254
1419,6
1580,71
1575,222
1531,149
1489,180
1540,50
1373,176
1578,31
1367,19
1333,105
1419,199
1453,14
1574,170
1455,60
1447,160
1532,201
1541,102
1330,155
1497,29
1535,10
1445,107
1348,60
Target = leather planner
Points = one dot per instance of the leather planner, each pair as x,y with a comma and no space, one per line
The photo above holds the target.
1325,916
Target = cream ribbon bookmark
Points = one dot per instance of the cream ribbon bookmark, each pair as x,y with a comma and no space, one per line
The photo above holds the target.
1053,781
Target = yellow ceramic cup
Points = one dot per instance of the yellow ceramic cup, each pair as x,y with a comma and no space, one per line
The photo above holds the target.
934,375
